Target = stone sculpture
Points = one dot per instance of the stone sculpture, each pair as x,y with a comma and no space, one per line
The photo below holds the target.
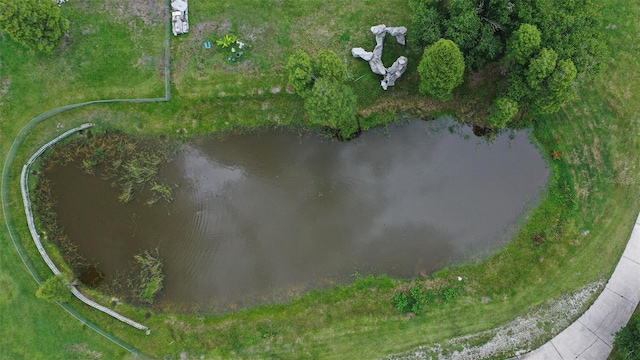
362,54
399,33
394,72
375,58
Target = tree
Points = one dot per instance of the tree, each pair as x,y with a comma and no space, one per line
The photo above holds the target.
332,104
488,48
36,24
303,70
502,111
571,28
300,72
329,102
540,67
426,24
558,90
529,37
463,25
329,66
523,43
475,28
441,69
55,288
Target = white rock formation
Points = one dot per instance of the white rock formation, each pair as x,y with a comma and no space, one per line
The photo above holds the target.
394,72
375,58
399,33
362,54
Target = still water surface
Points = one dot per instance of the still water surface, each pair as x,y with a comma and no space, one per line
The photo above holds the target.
265,216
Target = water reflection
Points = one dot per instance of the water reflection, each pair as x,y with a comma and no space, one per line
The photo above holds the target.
259,216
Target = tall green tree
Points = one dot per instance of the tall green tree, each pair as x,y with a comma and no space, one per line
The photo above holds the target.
37,24
571,28
475,27
523,43
333,105
327,65
559,88
321,81
441,69
300,72
540,67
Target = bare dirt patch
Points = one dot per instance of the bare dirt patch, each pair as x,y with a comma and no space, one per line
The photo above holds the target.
151,12
4,87
489,75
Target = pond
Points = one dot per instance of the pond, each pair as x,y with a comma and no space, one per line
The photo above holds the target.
263,217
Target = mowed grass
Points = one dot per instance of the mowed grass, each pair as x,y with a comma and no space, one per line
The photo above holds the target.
107,56
579,229
272,30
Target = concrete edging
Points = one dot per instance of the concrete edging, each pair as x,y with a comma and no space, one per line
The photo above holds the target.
591,337
24,187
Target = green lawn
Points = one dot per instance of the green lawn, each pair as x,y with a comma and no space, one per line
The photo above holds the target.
117,52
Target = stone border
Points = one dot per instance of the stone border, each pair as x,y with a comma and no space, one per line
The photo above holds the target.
593,334
24,187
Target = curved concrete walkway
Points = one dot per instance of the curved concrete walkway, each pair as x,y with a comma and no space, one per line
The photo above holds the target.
591,336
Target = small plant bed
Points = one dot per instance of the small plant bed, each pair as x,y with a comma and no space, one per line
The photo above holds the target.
232,48
418,296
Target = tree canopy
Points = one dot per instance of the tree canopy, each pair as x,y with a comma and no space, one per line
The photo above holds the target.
333,104
523,42
36,24
441,69
321,81
545,47
300,72
502,111
473,27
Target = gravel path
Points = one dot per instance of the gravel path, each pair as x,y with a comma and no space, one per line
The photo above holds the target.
588,338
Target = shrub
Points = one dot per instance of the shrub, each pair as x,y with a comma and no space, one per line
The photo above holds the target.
300,73
333,105
502,111
628,339
54,289
414,301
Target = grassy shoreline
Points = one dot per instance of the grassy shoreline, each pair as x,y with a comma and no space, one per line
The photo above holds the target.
594,193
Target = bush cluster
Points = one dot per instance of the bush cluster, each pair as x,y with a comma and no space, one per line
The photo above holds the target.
321,82
418,297
628,339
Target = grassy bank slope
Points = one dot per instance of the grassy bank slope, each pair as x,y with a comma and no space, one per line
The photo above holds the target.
574,238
